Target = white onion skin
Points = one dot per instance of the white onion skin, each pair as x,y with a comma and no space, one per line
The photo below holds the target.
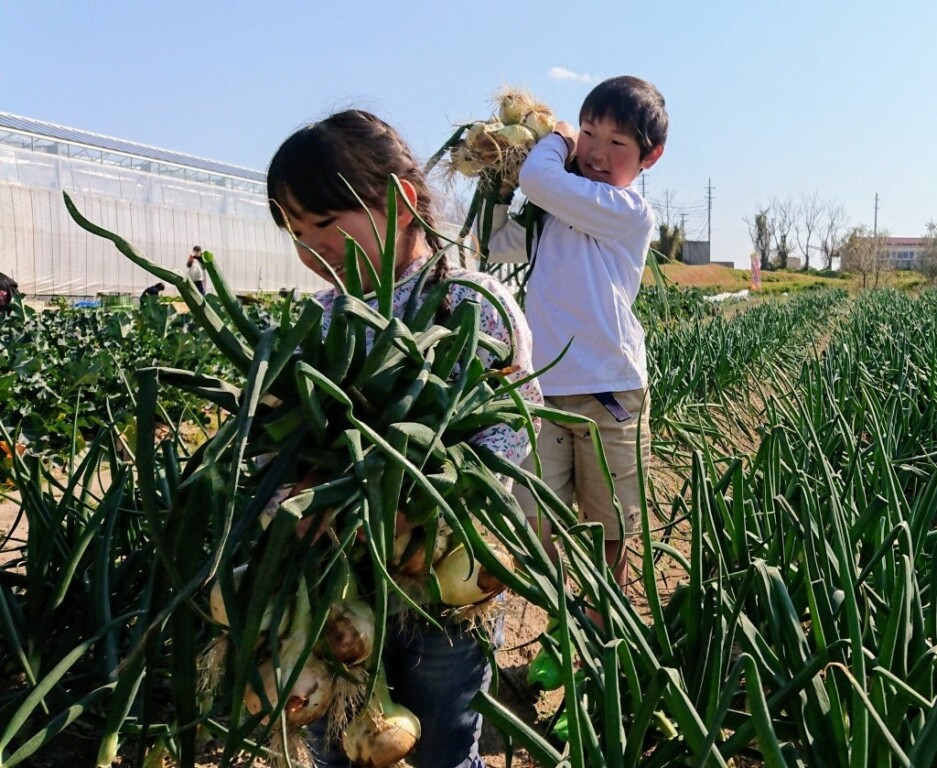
461,583
308,699
349,631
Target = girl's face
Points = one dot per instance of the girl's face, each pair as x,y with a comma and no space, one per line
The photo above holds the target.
326,235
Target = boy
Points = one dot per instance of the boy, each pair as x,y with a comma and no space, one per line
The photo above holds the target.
585,274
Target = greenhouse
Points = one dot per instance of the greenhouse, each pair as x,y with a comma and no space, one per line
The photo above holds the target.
162,201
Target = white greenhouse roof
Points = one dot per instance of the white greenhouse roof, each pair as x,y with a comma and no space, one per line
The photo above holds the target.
14,129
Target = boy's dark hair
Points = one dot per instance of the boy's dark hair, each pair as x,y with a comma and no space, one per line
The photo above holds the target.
634,104
323,162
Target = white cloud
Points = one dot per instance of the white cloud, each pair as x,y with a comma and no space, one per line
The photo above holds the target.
561,73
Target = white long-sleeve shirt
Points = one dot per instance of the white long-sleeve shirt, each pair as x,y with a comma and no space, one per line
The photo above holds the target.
586,275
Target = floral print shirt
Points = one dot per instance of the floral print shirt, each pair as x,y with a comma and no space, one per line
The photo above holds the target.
509,443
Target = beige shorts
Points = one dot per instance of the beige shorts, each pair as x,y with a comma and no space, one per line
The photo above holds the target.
571,468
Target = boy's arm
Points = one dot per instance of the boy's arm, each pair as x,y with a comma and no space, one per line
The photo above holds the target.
600,210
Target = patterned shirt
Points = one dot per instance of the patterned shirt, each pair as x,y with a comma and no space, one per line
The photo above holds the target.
512,444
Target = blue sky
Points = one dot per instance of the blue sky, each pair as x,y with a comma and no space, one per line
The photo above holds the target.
766,99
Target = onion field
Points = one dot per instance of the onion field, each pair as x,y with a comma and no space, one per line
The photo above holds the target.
797,436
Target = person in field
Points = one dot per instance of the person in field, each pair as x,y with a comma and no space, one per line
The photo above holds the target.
152,292
309,183
194,268
9,289
586,271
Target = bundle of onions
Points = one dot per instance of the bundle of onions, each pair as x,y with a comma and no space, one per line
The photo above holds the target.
495,149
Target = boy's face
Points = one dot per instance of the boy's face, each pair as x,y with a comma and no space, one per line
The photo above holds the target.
608,154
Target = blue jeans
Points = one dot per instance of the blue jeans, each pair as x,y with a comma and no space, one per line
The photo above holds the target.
435,675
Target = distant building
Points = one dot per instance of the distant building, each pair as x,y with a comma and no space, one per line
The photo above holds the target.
905,252
161,201
695,252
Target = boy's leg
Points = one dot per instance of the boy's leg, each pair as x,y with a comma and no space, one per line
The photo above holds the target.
621,443
555,449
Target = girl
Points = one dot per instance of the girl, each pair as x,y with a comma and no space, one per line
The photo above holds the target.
310,183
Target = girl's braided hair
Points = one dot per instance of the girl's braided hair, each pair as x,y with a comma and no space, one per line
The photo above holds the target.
321,163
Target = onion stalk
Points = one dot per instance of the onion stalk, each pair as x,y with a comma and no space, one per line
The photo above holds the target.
219,611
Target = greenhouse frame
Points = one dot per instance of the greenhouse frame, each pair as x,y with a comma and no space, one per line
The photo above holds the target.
164,202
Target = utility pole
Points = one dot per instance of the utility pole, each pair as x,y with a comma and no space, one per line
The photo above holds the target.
875,224
683,224
643,177
709,211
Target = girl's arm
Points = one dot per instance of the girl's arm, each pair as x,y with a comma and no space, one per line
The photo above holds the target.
600,210
500,438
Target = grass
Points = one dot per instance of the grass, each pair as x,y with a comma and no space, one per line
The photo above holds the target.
714,278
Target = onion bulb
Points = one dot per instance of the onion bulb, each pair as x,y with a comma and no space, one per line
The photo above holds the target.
349,631
219,611
308,699
382,733
515,136
477,137
462,582
411,560
465,161
540,122
311,694
515,106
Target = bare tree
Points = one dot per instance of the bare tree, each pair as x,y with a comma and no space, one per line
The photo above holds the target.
831,231
810,211
666,208
759,230
782,217
670,236
864,254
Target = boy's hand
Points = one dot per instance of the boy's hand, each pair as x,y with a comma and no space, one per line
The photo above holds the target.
569,134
